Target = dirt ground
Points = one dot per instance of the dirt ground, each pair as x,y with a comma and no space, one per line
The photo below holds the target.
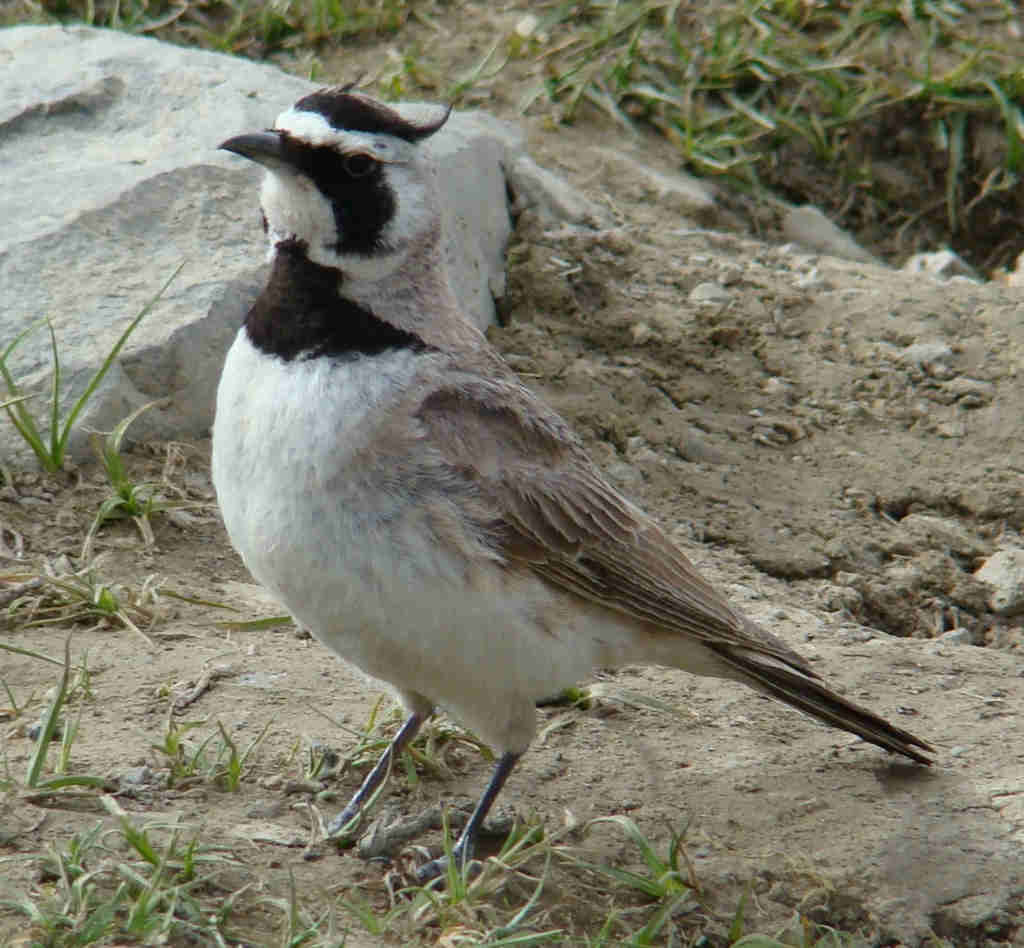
838,478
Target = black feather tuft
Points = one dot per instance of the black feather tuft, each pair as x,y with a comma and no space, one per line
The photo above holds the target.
345,110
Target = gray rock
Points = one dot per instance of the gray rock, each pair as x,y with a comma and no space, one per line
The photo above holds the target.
957,636
809,227
677,191
812,280
112,140
1016,276
932,358
136,777
710,293
917,532
942,264
970,393
550,195
1004,572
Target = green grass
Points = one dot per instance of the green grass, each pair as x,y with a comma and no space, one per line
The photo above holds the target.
56,723
234,26
215,759
50,447
65,596
142,883
814,101
765,92
137,501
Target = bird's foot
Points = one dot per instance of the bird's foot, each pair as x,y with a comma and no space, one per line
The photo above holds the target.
495,831
439,867
345,823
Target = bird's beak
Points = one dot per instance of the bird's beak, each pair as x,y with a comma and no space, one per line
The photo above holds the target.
262,147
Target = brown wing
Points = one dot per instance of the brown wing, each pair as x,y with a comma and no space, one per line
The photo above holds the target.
559,516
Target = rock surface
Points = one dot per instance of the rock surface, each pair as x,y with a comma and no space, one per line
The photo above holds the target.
1004,573
810,228
113,141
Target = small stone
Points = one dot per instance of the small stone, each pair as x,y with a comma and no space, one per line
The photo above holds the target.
710,293
695,446
813,280
136,777
527,26
812,229
776,386
958,636
1004,573
1016,277
931,357
970,393
633,445
835,598
943,264
640,333
36,729
857,635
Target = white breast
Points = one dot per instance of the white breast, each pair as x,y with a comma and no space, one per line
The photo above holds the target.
285,439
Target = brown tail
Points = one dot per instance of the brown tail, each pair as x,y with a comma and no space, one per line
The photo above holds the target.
815,699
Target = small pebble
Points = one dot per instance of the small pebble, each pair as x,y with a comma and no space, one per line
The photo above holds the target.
36,729
812,280
136,777
710,293
959,636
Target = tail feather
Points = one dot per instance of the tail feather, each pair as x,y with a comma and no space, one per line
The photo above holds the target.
816,699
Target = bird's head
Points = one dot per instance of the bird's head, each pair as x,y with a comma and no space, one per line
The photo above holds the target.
347,178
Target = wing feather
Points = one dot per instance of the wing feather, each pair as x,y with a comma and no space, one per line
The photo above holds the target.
556,513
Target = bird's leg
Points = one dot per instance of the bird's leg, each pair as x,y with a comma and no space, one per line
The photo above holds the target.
462,852
405,734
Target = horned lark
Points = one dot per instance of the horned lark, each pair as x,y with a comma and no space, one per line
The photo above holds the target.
386,475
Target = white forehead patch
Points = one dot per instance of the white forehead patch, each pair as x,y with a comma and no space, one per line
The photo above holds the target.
313,128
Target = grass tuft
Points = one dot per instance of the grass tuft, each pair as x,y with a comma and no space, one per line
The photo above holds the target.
51,449
65,595
159,894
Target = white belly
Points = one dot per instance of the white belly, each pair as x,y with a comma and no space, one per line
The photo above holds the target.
340,540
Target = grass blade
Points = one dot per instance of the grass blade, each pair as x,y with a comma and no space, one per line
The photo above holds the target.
49,727
29,653
54,396
19,415
101,372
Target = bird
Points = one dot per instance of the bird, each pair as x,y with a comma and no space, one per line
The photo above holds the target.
431,520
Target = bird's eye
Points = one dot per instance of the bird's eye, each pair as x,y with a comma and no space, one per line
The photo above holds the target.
359,165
